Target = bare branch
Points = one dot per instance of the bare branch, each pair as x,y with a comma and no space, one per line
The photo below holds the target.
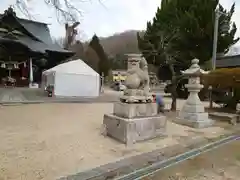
102,4
69,13
22,6
66,10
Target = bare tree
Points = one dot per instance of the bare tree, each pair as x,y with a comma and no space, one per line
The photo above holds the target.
59,41
65,9
71,33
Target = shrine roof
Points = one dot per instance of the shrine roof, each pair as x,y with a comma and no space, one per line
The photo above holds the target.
42,41
34,46
29,20
228,61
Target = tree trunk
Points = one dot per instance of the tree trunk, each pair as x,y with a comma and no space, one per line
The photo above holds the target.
232,104
173,89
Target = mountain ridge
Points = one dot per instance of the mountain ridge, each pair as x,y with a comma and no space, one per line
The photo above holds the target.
120,43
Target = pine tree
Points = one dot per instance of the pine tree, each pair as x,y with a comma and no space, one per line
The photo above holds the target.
78,48
91,58
103,65
183,30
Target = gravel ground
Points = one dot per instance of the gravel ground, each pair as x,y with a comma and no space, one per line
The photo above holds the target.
26,95
47,141
220,164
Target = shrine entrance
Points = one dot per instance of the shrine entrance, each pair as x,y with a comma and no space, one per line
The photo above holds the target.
14,74
26,49
16,67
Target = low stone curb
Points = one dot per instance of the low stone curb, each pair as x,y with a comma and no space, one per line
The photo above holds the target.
127,165
55,101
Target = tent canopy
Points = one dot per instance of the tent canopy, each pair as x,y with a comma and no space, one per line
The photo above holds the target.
73,67
72,79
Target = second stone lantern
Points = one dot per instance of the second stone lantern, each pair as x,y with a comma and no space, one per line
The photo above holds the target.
193,112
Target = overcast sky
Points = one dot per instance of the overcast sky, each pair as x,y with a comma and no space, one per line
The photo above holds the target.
104,20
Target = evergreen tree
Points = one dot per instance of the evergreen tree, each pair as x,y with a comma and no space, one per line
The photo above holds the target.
119,62
183,30
78,49
91,58
103,64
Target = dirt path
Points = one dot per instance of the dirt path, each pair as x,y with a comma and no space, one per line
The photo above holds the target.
219,164
47,141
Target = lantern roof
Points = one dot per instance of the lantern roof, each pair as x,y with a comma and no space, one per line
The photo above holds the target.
194,69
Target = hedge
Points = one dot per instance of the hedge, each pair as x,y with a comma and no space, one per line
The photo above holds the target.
223,78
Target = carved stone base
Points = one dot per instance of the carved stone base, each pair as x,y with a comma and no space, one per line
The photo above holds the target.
195,120
134,92
130,131
136,96
127,110
193,112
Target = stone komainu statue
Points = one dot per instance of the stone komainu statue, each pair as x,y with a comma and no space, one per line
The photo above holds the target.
138,78
137,84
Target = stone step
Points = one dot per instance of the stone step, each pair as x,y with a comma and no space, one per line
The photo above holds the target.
221,116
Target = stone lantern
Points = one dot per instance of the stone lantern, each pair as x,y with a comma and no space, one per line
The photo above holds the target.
193,112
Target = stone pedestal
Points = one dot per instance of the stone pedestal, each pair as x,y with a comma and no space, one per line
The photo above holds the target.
126,110
131,123
195,120
193,113
130,131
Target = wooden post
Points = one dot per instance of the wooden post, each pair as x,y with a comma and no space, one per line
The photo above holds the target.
210,97
30,73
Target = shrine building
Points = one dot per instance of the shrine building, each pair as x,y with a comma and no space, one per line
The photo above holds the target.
26,49
232,61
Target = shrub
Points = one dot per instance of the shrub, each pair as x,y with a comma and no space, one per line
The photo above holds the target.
223,78
227,79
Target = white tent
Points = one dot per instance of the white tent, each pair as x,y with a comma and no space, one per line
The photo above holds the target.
72,79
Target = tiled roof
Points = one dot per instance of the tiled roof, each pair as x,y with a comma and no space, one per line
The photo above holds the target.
228,61
41,32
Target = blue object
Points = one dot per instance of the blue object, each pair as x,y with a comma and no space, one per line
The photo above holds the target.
159,100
